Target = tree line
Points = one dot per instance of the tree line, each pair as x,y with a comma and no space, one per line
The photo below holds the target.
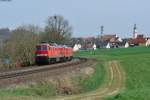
19,49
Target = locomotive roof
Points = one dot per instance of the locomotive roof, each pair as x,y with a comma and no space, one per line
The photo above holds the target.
54,45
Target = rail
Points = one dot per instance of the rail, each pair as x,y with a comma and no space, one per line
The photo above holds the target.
26,71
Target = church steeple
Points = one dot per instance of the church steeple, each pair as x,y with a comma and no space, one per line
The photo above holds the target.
102,30
134,31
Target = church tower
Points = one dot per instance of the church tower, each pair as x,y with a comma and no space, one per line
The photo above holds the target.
135,31
102,30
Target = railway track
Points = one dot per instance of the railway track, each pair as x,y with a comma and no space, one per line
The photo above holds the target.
32,70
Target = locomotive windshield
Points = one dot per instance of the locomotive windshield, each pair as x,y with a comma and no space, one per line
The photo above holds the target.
41,47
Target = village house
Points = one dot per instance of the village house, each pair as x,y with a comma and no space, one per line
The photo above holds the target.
138,40
147,42
110,40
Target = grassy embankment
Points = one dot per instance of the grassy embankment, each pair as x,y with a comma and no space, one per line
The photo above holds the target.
97,78
47,90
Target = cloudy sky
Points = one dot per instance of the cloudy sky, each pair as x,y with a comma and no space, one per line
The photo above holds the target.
85,16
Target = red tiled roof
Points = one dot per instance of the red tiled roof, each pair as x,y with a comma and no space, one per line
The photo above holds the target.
108,37
137,41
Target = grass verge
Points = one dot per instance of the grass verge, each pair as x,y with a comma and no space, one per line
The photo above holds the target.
41,90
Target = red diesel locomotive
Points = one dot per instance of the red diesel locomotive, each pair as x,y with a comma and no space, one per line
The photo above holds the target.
50,53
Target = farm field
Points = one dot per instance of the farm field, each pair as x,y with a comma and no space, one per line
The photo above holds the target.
135,62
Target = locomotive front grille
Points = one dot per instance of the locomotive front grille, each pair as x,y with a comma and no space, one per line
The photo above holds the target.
41,59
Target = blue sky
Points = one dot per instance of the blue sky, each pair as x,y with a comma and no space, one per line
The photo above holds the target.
85,16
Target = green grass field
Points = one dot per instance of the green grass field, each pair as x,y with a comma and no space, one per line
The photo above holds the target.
135,62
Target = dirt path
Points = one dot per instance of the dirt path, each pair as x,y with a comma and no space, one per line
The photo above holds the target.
112,85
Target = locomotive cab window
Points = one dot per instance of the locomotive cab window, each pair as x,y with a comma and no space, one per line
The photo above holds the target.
43,47
38,48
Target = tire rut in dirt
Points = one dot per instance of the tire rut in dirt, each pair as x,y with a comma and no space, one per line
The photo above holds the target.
114,83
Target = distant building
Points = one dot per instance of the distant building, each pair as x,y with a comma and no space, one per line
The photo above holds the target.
94,46
138,40
107,37
147,42
108,46
77,47
102,44
113,40
88,46
126,45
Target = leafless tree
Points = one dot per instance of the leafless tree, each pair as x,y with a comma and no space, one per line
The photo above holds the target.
57,29
19,49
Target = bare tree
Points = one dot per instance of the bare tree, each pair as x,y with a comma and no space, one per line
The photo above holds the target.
32,28
57,29
19,49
